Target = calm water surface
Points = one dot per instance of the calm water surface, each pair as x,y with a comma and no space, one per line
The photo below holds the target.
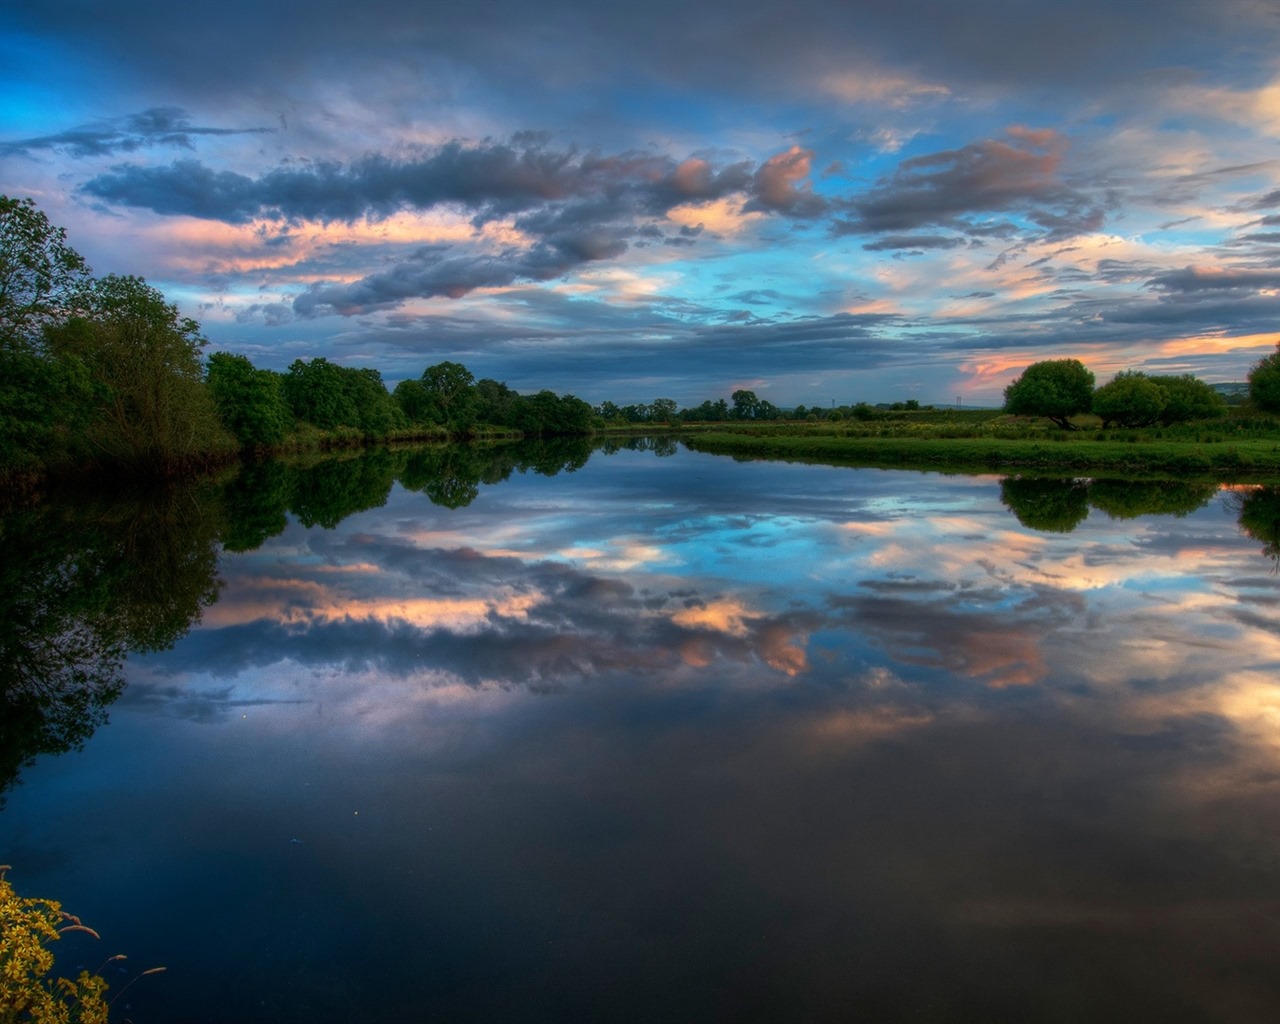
686,739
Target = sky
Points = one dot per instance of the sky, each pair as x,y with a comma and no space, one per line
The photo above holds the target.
820,202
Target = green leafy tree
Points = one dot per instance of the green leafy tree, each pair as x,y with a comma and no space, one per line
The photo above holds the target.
315,393
453,388
42,279
250,402
376,411
1188,398
44,401
547,414
663,410
1264,382
144,356
1131,399
417,404
746,406
495,402
1056,389
45,406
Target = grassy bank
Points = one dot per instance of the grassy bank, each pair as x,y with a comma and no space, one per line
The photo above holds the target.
1229,459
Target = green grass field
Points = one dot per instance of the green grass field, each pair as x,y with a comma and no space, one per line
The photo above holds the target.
1227,449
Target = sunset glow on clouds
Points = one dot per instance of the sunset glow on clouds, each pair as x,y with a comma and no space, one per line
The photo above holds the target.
846,201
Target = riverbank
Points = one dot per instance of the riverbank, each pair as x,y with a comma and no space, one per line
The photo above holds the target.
1230,460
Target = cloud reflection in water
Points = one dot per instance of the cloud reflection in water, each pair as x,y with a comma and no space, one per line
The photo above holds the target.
738,740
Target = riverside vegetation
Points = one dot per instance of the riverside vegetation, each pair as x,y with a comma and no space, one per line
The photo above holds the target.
105,373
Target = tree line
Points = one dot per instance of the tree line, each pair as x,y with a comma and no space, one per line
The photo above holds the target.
1059,389
106,371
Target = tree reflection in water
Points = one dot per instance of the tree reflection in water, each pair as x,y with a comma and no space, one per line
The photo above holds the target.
82,584
1259,514
87,580
1059,505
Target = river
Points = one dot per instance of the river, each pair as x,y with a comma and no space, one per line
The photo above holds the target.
655,736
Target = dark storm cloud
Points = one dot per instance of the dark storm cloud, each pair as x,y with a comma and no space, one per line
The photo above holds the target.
1192,280
890,242
491,179
753,47
158,126
1018,175
431,273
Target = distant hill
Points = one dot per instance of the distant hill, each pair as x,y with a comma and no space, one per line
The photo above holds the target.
1234,392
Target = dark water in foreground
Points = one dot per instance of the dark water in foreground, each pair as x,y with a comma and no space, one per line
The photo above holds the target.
679,739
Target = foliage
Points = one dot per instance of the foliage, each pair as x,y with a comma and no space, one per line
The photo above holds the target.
547,414
417,404
451,387
495,402
249,401
144,358
313,388
1188,398
45,406
27,928
1264,382
42,279
1054,388
746,406
1131,399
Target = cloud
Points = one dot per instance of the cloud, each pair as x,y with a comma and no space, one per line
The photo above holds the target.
156,126
781,185
889,242
1191,280
431,273
955,188
491,179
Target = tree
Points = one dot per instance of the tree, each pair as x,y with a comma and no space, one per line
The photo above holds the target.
44,402
1264,382
249,401
1188,398
746,406
314,391
453,388
144,356
663,410
42,279
1054,388
494,402
1131,399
